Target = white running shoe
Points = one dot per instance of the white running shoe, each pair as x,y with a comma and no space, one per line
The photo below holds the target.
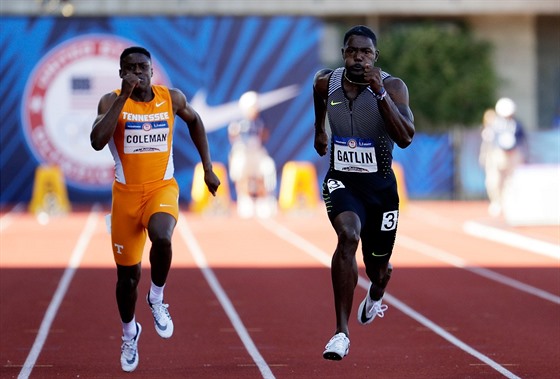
369,309
162,318
337,347
129,351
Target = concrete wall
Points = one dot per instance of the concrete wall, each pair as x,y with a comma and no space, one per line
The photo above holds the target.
515,59
548,51
294,7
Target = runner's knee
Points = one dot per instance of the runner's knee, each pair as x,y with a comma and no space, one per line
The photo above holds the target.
128,277
348,237
162,241
127,284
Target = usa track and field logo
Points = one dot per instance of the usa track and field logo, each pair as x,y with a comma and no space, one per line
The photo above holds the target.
60,106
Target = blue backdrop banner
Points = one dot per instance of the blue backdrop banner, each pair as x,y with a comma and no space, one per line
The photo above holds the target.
56,69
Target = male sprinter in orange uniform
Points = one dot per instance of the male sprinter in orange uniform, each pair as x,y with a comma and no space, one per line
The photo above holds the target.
137,122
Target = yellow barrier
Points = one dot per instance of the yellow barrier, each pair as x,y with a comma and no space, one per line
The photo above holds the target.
49,191
202,199
401,184
298,186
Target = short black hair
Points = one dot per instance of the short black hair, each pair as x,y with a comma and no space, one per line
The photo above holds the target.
135,49
361,30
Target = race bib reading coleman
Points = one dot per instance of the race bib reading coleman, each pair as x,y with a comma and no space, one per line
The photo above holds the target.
145,137
354,155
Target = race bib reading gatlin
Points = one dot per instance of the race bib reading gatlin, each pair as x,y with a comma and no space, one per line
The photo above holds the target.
354,155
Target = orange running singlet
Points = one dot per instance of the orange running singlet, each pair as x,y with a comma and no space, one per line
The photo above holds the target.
142,142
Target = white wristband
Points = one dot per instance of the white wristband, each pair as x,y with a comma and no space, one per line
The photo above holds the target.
382,95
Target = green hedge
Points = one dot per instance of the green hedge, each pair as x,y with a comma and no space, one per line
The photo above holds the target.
449,74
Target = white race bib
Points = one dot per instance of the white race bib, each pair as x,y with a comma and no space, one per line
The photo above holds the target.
146,137
354,155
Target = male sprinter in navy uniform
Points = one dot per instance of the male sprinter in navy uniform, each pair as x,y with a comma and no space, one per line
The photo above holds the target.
368,113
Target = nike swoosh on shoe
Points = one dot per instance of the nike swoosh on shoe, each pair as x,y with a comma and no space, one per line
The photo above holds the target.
363,315
161,327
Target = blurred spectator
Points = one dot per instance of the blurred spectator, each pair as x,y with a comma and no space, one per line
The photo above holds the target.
501,151
251,168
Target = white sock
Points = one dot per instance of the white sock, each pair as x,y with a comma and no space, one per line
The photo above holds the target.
129,329
156,294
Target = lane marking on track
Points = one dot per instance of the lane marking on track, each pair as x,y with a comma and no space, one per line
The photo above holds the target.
458,262
52,310
512,239
208,273
7,218
487,232
301,243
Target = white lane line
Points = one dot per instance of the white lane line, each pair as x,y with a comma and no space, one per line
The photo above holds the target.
453,260
200,259
303,244
60,292
447,336
512,239
7,218
487,232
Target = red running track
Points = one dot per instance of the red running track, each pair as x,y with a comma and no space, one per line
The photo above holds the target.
252,299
